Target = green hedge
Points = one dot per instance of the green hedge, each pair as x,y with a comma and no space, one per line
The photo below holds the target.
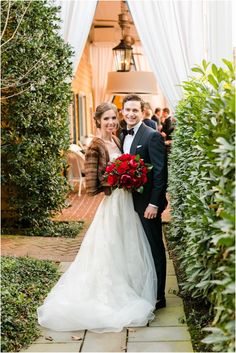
25,284
202,185
36,94
67,229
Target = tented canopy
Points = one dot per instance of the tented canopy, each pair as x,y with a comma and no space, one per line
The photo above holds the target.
76,20
176,35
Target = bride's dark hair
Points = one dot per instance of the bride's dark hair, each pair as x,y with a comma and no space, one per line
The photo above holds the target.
102,108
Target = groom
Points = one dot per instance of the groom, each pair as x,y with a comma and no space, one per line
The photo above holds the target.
149,144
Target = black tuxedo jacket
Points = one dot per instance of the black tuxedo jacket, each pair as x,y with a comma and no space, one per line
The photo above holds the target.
149,144
151,123
168,128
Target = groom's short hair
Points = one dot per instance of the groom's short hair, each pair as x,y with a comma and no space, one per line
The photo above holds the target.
133,97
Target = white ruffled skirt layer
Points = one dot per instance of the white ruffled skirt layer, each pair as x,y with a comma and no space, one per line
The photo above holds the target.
112,282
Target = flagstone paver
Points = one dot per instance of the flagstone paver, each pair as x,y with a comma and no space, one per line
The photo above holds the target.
105,342
170,268
173,301
170,316
54,347
180,346
161,333
172,287
59,336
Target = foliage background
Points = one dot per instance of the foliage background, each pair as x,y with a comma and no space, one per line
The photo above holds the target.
36,94
202,186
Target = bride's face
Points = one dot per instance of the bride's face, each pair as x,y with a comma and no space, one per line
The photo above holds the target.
109,121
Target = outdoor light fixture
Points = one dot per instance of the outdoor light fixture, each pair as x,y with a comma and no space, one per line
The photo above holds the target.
124,80
123,51
123,55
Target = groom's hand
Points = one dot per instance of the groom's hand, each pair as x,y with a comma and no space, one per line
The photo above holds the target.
150,212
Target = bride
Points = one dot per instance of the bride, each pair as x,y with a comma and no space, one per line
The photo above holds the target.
112,282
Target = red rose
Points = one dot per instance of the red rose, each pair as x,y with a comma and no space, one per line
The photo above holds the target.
112,179
110,168
123,167
124,157
137,182
133,164
132,172
126,180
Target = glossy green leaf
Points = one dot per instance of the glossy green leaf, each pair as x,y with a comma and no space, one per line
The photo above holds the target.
201,184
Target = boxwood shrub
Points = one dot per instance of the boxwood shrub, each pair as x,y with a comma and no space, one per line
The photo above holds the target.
202,185
25,283
36,93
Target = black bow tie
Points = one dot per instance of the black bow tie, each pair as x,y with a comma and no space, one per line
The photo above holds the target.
128,132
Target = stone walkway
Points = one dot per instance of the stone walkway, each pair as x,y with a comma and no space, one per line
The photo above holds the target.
167,333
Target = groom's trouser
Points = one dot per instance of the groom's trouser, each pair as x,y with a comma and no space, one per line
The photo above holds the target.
153,230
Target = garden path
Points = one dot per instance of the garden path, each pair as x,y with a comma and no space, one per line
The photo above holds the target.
167,333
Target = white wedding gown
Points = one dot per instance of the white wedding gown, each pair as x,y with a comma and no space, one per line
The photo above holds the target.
112,282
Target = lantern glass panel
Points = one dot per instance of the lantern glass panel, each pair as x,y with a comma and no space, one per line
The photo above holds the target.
123,56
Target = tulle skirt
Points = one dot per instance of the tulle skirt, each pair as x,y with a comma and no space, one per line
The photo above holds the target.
112,282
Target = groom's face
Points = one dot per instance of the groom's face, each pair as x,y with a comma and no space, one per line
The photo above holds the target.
132,113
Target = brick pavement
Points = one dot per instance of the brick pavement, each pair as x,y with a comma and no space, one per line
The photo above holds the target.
55,249
82,207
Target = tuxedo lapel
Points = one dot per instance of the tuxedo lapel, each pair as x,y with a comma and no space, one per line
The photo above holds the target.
122,139
137,139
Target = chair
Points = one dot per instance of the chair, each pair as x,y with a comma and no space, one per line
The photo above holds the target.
77,147
76,169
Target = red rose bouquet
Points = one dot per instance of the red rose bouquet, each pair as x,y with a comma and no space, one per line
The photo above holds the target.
127,172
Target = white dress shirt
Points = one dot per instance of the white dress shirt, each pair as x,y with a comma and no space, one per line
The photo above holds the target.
129,138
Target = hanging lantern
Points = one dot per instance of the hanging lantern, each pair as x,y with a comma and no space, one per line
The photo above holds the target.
123,56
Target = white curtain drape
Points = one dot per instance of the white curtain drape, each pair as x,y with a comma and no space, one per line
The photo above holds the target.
141,61
176,35
76,17
142,64
219,23
102,62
